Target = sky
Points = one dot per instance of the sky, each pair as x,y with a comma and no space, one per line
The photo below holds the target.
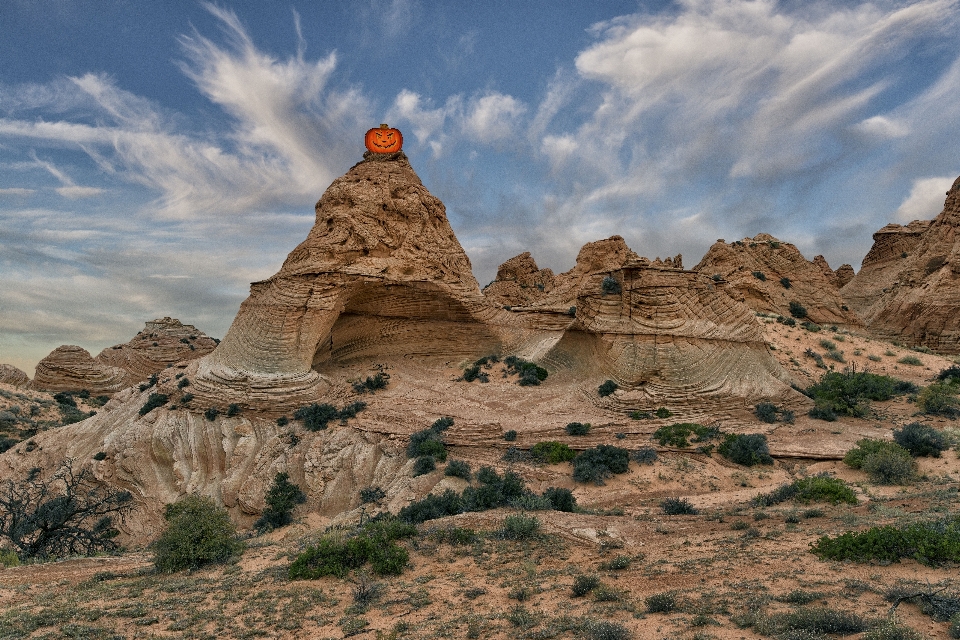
157,157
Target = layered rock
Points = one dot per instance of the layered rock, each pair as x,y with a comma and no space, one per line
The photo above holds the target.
11,375
519,282
161,343
768,274
72,368
908,288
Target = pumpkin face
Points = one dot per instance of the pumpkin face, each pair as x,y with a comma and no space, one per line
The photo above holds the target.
383,140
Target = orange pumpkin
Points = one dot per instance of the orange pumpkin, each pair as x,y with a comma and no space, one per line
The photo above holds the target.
383,140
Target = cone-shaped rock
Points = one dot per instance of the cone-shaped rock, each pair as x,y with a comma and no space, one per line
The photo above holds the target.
72,368
11,375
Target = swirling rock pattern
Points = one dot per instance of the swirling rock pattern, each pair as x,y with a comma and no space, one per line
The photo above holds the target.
11,375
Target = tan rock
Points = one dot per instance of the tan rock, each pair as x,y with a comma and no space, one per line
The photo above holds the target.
844,274
161,343
768,274
72,368
519,282
11,375
913,296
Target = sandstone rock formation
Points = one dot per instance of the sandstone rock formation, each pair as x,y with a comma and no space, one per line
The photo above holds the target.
519,282
768,274
161,343
908,288
72,368
11,375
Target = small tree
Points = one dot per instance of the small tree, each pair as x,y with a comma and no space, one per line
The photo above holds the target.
282,497
68,513
198,532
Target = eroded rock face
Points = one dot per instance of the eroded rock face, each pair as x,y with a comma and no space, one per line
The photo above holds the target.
519,282
11,375
909,286
768,274
72,368
162,342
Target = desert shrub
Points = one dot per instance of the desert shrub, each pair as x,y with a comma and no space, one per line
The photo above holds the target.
372,384
433,506
828,345
785,282
530,373
211,414
889,466
283,421
374,543
510,436
372,495
582,585
316,417
281,499
6,443
577,429
184,382
677,507
950,374
663,413
867,446
515,454
849,393
561,499
424,465
892,630
813,489
790,322
939,398
429,442
153,401
675,435
68,513
619,563
760,275
493,491
921,440
812,620
603,630
531,502
607,387
458,469
519,527
766,412
836,356
100,455
930,543
552,452
151,381
746,449
664,602
602,461
913,361
644,455
797,310
610,285
198,532
233,410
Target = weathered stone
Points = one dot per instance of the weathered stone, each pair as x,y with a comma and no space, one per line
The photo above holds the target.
11,375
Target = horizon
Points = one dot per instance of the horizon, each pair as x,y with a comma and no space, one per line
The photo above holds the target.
157,161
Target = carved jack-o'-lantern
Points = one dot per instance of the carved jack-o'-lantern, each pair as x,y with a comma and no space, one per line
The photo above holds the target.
383,140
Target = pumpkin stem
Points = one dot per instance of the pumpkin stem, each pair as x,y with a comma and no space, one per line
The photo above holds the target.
384,126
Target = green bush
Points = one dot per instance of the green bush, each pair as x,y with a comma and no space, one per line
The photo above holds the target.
282,498
746,449
820,488
913,361
939,398
424,465
677,507
493,491
885,462
582,585
316,417
510,436
600,462
198,532
153,401
849,393
929,543
644,455
561,499
760,275
610,285
373,495
892,630
921,440
519,527
603,630
797,310
374,543
663,413
211,414
530,373
675,435
812,620
552,452
458,469
233,410
429,442
577,429
607,387
766,411
662,602
372,384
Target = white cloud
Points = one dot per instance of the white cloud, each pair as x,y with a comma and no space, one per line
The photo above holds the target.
926,198
73,192
883,127
17,191
493,117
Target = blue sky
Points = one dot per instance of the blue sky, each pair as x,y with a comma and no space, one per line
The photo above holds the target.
157,157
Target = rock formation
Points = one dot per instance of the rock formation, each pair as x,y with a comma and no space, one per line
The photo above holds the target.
908,288
160,344
519,282
72,368
768,274
11,375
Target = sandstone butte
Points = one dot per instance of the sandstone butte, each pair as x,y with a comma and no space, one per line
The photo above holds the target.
908,288
382,284
161,343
